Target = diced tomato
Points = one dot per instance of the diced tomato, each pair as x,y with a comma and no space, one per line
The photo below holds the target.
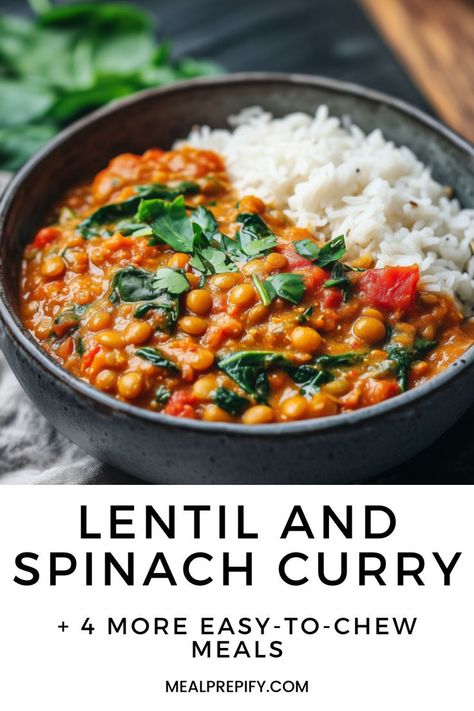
375,391
295,260
65,349
391,287
314,277
182,403
45,236
331,298
88,357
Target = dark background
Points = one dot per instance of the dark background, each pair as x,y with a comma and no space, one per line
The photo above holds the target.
333,38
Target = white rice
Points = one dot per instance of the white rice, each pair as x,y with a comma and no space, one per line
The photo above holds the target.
332,178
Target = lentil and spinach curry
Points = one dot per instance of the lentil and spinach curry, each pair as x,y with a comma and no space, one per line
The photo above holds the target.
156,284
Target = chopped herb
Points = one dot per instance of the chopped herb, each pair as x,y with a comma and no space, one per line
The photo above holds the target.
322,256
80,346
171,280
255,237
307,248
169,222
305,316
248,370
261,290
405,357
230,401
112,212
340,280
162,395
340,359
156,357
287,286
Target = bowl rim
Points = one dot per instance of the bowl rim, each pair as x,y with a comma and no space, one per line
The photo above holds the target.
22,338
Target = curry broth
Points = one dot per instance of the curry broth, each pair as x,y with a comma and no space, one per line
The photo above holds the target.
330,338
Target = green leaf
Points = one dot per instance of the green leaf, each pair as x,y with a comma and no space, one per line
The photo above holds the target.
262,291
403,358
255,237
322,256
23,102
162,395
230,401
205,219
169,222
210,260
340,280
287,286
133,285
171,280
307,248
108,17
248,370
311,376
305,316
19,143
156,357
110,213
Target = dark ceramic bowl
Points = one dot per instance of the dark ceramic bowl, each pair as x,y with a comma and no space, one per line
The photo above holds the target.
164,449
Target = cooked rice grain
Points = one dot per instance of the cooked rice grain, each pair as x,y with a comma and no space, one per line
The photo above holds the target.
335,180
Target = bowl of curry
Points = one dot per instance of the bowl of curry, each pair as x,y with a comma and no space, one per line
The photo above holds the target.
186,329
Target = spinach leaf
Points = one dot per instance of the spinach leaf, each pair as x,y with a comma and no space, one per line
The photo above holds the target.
403,358
156,357
162,395
23,102
133,285
248,370
69,318
230,401
322,256
80,346
311,376
127,208
255,237
287,286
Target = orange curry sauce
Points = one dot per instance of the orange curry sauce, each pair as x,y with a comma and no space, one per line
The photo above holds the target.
223,337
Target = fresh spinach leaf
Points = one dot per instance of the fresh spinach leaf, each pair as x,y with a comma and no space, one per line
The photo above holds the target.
133,285
403,358
248,370
340,359
255,237
162,395
290,287
311,376
127,208
230,401
156,357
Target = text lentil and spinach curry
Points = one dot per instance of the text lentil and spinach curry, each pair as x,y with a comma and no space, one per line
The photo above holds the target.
158,286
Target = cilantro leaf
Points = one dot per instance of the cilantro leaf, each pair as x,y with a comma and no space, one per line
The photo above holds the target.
169,222
171,280
255,237
287,286
322,256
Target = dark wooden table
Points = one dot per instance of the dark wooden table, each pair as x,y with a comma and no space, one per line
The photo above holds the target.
328,37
